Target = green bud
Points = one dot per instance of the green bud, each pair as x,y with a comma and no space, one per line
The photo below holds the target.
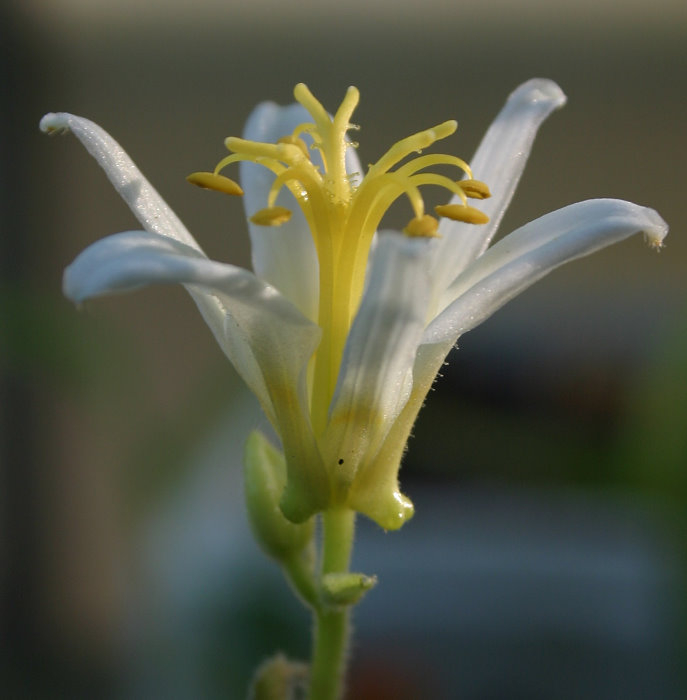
345,588
279,679
264,479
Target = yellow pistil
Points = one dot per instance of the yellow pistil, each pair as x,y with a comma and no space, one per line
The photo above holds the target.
343,216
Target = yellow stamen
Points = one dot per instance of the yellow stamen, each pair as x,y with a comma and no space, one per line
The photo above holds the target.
212,181
413,144
475,189
462,212
271,216
343,213
421,162
295,141
441,181
422,227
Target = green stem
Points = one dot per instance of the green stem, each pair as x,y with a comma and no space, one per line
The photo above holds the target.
330,643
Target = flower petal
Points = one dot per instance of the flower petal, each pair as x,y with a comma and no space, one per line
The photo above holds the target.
532,251
499,161
129,260
267,339
284,256
376,491
375,378
143,199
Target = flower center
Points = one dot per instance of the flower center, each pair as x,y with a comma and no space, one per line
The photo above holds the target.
343,214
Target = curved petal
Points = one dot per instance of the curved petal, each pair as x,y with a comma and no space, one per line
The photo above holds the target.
532,251
267,339
143,200
375,379
499,161
376,491
284,256
147,205
126,261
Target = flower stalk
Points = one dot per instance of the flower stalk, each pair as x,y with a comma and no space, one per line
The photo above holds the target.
332,623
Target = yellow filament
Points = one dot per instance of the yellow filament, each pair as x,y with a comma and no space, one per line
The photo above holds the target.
439,180
286,177
421,162
390,183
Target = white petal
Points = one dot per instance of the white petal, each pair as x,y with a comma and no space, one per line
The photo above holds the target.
143,200
284,256
499,161
376,491
375,379
532,251
129,260
268,340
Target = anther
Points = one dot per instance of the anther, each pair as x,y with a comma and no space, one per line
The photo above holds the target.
272,216
422,227
212,181
462,212
475,189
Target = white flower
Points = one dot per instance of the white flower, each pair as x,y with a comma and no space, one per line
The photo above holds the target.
340,332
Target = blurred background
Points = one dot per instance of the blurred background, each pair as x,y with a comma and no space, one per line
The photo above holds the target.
546,557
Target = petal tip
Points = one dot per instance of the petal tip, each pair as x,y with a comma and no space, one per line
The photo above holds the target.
53,122
391,513
540,91
655,230
70,287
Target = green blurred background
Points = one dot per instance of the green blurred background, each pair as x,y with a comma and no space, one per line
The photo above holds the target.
125,565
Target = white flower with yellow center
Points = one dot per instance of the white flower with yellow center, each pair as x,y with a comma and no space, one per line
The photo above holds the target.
340,331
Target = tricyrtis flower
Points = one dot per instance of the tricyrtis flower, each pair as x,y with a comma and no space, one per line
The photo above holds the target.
340,331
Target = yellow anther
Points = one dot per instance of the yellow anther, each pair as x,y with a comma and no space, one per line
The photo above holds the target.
212,181
295,141
461,212
475,189
272,216
422,227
